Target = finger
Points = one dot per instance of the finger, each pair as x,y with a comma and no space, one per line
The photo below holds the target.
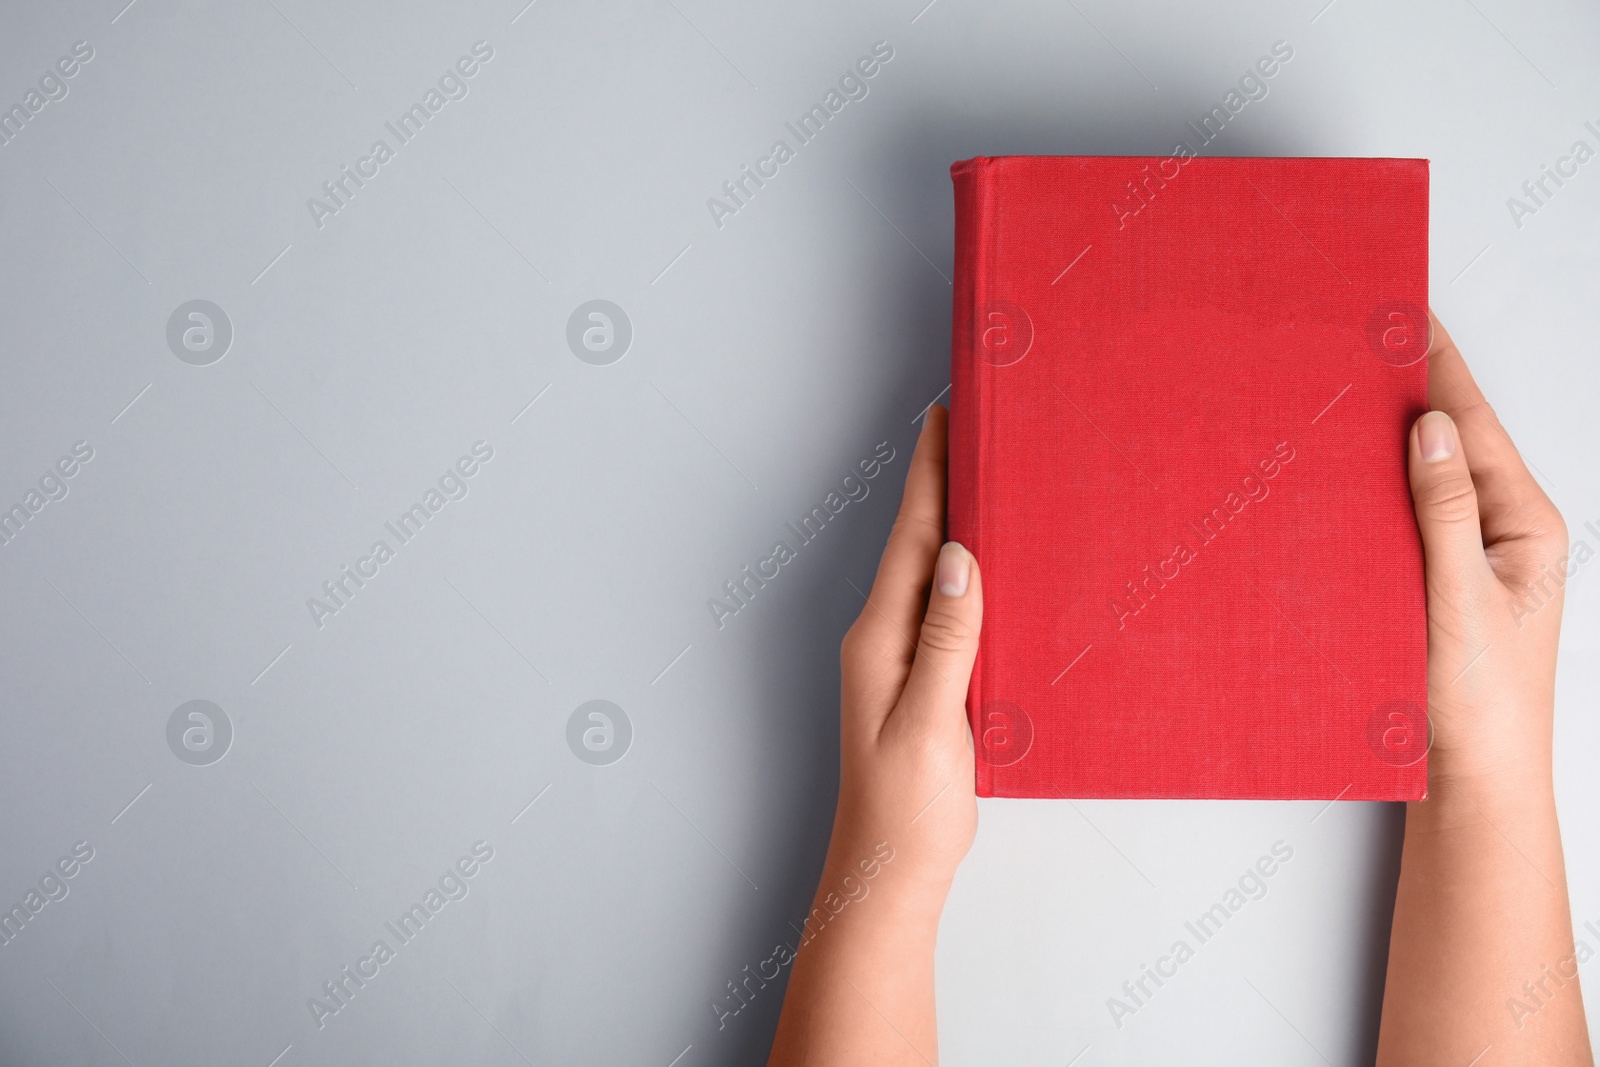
894,608
947,643
1447,508
1511,506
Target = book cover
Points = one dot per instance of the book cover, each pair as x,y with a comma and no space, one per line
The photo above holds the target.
1181,393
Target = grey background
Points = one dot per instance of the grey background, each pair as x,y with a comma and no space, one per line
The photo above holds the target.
768,357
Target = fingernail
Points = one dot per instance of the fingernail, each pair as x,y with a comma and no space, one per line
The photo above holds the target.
951,573
1436,436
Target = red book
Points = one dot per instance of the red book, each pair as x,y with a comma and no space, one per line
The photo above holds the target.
1181,393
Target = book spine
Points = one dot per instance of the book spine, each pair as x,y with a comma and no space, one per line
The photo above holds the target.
968,407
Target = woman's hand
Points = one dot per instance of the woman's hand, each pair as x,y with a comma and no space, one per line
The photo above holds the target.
1496,549
906,774
862,988
1481,960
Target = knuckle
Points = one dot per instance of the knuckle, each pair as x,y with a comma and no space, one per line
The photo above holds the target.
1479,409
1450,499
1537,529
851,648
945,632
1486,410
917,526
1552,528
866,649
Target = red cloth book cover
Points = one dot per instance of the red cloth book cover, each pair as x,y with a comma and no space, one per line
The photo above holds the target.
1181,394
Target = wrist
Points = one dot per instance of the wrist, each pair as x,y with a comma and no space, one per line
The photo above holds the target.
1507,777
866,871
1505,796
1494,747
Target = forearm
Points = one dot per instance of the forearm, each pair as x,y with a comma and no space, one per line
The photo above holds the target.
1481,954
862,986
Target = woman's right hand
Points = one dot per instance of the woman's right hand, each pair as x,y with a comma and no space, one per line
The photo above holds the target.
1496,557
1482,968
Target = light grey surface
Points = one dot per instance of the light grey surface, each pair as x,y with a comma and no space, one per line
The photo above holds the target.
768,356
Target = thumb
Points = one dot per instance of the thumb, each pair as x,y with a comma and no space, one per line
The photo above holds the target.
948,642
1447,506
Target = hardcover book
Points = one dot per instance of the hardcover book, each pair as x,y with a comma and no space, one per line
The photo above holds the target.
1181,393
